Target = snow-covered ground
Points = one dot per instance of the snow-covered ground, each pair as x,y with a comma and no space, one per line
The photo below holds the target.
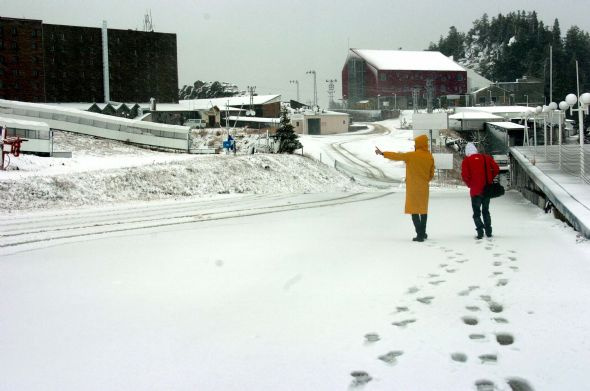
283,286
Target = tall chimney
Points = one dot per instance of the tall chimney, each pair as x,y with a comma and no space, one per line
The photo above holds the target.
105,62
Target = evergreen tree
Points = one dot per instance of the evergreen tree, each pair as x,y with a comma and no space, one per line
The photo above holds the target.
286,136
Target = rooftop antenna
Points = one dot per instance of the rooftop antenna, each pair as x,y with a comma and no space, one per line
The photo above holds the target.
148,24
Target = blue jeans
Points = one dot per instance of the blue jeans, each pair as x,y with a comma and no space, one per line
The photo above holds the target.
481,206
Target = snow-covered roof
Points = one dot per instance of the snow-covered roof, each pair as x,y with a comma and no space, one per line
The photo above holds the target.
408,60
232,101
495,109
474,115
507,125
255,119
23,124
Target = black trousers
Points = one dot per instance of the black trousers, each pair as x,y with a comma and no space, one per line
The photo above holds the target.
420,224
481,207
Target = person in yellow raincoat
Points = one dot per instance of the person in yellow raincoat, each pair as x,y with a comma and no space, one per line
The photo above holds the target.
419,171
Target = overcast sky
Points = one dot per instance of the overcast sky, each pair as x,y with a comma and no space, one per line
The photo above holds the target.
267,43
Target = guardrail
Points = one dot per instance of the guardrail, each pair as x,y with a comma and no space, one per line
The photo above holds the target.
566,157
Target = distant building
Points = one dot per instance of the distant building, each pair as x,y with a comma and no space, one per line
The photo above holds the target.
398,77
316,123
526,91
57,63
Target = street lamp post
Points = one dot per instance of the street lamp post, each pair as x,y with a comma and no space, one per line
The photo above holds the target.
563,106
583,103
297,83
378,101
315,89
527,100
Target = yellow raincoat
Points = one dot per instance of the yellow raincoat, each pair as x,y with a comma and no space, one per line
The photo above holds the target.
419,171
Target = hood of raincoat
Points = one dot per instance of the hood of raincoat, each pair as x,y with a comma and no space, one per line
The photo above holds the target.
421,143
470,149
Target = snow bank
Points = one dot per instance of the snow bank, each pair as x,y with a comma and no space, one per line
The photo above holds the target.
198,176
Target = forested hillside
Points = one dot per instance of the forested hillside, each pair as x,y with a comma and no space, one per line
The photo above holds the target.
506,47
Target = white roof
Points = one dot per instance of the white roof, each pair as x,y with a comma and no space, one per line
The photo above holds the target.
200,104
255,119
507,125
408,60
23,124
496,109
475,115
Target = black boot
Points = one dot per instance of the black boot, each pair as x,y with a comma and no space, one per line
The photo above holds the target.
488,232
418,227
479,233
423,219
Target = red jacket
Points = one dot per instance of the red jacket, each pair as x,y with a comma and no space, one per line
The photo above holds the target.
472,171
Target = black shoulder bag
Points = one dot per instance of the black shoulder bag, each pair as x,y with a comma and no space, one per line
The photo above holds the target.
494,189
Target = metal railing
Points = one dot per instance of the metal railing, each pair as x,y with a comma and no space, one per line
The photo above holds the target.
565,158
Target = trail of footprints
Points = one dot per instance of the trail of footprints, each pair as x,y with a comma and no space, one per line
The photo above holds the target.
490,307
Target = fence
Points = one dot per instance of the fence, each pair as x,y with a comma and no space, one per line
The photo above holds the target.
567,158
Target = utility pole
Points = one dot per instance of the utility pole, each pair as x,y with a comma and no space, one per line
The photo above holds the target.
251,111
331,90
297,83
315,89
415,96
429,95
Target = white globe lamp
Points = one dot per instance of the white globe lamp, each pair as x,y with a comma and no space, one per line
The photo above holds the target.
571,99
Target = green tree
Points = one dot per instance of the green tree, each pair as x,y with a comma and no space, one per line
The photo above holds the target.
286,136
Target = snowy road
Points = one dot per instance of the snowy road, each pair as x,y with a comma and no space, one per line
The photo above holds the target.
279,292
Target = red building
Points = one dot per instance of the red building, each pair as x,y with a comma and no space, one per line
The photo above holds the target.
397,79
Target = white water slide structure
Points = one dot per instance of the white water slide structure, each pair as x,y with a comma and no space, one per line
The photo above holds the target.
93,124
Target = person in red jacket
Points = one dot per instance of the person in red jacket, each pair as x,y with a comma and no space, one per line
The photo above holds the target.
473,172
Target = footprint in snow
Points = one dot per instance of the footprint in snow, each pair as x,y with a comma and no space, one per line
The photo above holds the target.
391,357
412,290
404,323
451,270
502,282
442,265
426,299
500,320
496,255
432,275
437,282
372,337
515,268
470,320
472,308
477,337
459,357
360,378
517,384
504,339
497,273
488,358
497,263
496,307
485,385
401,309
512,258
485,297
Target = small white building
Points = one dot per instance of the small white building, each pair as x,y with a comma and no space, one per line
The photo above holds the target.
322,122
